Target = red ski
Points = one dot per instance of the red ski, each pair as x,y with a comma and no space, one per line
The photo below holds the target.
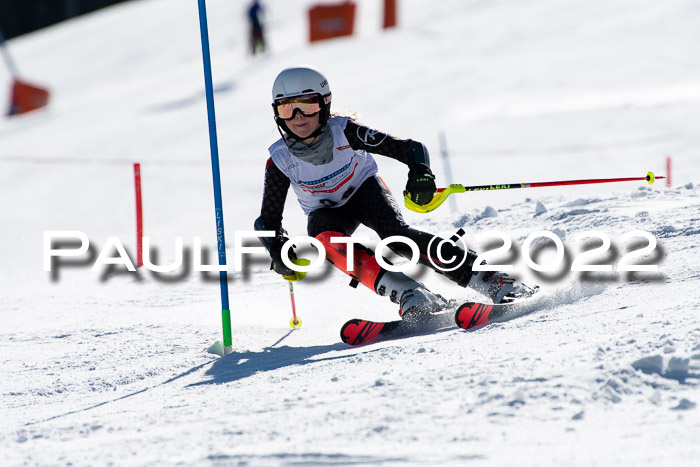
469,315
362,331
473,315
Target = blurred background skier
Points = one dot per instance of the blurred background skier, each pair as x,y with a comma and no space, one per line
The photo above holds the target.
257,34
327,161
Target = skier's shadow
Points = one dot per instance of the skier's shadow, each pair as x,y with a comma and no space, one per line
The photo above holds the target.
240,365
236,366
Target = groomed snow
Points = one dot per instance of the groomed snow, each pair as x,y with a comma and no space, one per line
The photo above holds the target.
108,367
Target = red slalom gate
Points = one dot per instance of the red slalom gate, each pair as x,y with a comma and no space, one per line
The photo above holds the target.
139,215
389,14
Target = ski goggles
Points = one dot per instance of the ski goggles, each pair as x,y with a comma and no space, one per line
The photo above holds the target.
308,105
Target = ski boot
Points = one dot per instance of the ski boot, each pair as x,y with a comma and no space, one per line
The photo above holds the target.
500,287
413,297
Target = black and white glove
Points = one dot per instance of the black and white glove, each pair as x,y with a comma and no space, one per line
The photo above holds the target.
420,187
276,254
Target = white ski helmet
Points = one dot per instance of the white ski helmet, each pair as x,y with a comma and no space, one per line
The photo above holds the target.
300,80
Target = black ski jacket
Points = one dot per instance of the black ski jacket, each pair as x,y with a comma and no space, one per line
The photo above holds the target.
360,138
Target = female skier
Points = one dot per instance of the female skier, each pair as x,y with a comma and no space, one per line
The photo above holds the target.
327,161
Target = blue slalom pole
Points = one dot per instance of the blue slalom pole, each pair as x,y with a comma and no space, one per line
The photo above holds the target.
6,55
218,205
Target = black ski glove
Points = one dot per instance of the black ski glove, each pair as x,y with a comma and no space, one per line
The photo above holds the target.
420,186
276,254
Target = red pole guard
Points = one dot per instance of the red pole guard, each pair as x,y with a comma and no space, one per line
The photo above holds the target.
668,171
139,215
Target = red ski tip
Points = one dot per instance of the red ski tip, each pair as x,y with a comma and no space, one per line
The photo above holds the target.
359,331
471,315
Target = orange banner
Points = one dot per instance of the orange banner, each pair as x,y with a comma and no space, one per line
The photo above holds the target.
27,97
328,21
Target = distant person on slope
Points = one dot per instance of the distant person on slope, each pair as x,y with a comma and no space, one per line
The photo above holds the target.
257,36
327,161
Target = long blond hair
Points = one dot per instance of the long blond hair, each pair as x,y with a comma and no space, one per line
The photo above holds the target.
354,116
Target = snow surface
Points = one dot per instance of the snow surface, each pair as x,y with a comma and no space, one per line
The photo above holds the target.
106,367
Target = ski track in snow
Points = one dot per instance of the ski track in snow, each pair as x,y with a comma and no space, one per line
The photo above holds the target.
113,368
567,371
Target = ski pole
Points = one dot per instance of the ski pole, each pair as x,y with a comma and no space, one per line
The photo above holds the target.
442,193
295,322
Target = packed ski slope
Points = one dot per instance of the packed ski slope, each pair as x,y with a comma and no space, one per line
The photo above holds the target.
109,367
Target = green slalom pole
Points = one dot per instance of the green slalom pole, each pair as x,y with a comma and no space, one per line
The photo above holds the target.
218,205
